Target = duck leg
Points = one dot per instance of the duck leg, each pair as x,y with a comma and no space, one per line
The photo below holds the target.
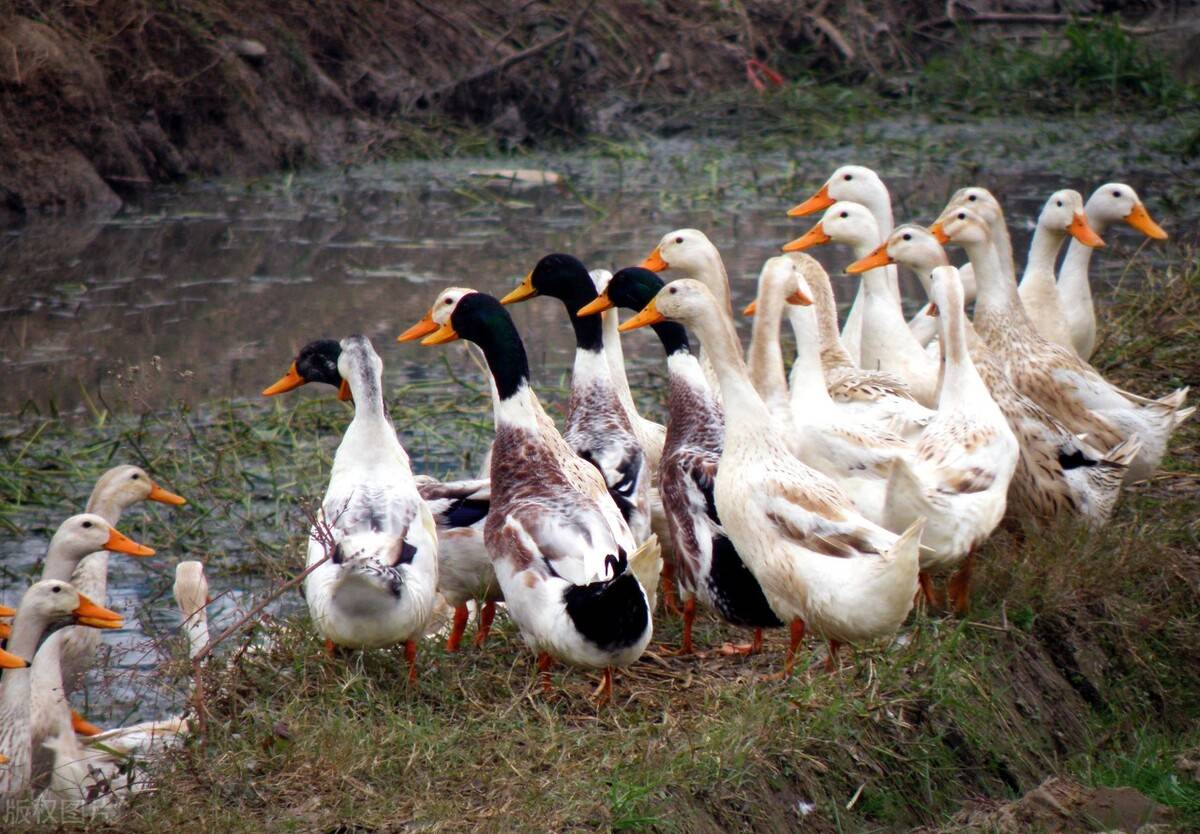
82,726
753,647
410,655
329,647
603,693
486,614
461,613
926,590
670,602
960,586
797,629
545,662
689,619
831,661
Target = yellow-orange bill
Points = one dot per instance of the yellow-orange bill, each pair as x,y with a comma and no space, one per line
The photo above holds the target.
813,237
1140,219
164,496
89,613
5,631
521,293
648,315
3,759
818,201
932,310
7,611
751,308
1082,232
444,334
597,305
120,543
8,660
344,392
938,232
799,298
419,330
82,726
654,261
287,382
878,257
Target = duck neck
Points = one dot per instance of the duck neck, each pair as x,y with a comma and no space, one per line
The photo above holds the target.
1073,281
766,356
513,400
808,377
833,352
1003,243
711,273
196,629
589,330
61,558
1043,251
996,293
960,379
103,504
616,362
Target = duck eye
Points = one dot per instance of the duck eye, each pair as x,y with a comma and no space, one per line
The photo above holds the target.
845,214
679,240
961,216
1116,193
673,290
449,301
87,525
972,198
1058,203
57,589
135,476
907,236
849,177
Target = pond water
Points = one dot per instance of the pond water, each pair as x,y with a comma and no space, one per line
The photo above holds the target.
205,292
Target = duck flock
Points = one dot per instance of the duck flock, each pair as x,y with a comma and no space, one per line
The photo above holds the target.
828,499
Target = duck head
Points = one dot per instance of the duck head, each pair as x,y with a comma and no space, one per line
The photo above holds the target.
316,362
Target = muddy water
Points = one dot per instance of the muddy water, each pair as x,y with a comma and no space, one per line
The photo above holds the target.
205,292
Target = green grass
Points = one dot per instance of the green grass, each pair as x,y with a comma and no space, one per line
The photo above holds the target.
1081,657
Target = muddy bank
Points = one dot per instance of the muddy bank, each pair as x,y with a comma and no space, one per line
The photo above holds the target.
101,100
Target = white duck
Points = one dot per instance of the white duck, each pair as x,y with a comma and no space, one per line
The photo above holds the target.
1111,203
117,490
819,562
43,603
1057,474
458,507
856,453
965,458
573,577
378,584
887,344
1052,376
710,568
1062,215
856,184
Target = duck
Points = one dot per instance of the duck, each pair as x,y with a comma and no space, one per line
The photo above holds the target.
597,426
710,569
459,508
115,491
862,185
1062,215
822,566
373,551
575,581
43,603
887,343
1111,203
856,454
1057,473
650,435
965,458
1051,375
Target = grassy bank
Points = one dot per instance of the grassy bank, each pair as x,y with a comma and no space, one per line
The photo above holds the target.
1080,658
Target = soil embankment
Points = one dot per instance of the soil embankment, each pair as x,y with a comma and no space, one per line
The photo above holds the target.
102,99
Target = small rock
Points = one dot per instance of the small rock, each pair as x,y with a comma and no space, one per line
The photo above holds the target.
663,63
254,52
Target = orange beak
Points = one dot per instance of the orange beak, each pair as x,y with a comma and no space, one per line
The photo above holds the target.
654,261
818,201
8,660
648,315
5,631
6,611
82,726
524,291
878,257
287,382
419,330
89,613
799,298
813,237
932,310
344,392
597,305
444,334
1139,218
1082,232
163,496
938,232
120,543
751,308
